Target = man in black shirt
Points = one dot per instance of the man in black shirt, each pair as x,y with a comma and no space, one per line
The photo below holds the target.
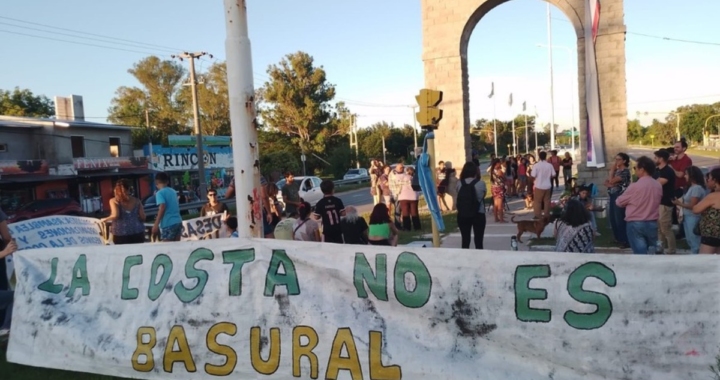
665,175
330,209
213,206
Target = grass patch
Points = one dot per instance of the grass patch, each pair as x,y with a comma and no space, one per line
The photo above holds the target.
605,240
703,152
21,372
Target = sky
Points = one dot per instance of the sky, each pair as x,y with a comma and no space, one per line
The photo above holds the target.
371,51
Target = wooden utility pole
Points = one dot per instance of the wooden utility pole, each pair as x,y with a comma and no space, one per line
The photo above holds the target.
196,113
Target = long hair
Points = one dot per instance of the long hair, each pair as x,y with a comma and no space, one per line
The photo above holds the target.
122,188
575,214
469,170
695,175
625,159
304,210
379,214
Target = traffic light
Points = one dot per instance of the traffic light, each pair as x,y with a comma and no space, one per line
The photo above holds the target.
429,115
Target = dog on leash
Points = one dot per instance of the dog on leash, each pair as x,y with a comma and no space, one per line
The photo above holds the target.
532,226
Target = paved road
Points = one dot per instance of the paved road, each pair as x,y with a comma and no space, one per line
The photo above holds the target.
361,199
699,161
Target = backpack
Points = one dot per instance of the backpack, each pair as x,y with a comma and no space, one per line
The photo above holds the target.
467,200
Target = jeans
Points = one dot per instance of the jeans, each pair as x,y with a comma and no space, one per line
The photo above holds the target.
617,220
642,237
689,223
6,304
477,224
593,222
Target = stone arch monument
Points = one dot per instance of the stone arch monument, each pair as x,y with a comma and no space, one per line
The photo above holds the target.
447,27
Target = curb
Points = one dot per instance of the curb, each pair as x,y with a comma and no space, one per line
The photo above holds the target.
606,250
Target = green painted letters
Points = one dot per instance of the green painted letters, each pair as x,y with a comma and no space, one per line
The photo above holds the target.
596,319
50,286
79,277
156,288
288,279
126,292
376,283
524,293
188,295
409,262
237,258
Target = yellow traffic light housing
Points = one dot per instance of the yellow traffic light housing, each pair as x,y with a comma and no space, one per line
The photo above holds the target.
429,115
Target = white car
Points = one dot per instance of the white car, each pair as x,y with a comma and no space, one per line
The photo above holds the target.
359,174
309,189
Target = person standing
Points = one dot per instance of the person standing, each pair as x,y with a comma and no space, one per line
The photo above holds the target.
127,216
442,186
409,202
168,217
555,161
452,181
471,206
694,194
640,202
291,194
384,186
330,209
396,178
542,174
497,188
522,176
617,183
567,164
709,210
666,177
6,295
213,207
375,174
679,163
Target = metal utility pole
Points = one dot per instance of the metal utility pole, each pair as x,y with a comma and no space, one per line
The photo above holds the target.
196,115
149,131
241,94
527,143
495,127
552,91
354,140
384,151
414,129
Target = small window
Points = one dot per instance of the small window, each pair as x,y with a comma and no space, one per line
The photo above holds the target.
114,147
78,146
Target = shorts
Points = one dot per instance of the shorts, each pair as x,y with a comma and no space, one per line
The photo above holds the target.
441,190
380,242
522,177
171,233
711,241
334,238
129,239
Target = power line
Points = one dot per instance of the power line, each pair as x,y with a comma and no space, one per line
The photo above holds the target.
76,42
675,39
91,34
74,36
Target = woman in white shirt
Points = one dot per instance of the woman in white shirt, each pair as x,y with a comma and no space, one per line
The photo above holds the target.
305,228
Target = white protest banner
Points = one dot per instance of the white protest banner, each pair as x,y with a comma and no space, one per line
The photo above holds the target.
54,232
204,227
250,309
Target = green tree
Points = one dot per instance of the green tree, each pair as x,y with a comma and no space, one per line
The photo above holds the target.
158,93
24,103
635,131
213,102
296,101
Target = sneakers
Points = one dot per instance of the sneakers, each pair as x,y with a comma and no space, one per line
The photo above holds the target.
597,234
